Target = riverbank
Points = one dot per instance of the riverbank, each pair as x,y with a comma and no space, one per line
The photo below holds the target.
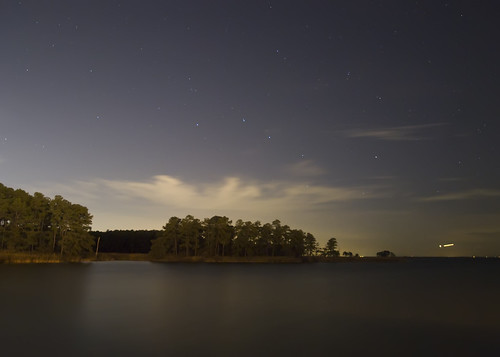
232,259
48,258
38,258
219,259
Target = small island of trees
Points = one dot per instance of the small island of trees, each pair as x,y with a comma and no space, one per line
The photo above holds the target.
217,237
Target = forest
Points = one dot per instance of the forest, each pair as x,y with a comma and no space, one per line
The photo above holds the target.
125,241
39,224
217,236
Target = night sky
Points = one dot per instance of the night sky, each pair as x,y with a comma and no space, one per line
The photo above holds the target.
375,122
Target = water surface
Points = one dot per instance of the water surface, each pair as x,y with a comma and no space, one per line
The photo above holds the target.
420,307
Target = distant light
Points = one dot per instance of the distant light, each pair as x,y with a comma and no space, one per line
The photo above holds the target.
446,245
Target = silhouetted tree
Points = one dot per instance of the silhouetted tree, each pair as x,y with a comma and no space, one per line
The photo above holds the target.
190,229
218,233
385,254
296,242
310,244
331,248
277,237
265,240
168,240
245,237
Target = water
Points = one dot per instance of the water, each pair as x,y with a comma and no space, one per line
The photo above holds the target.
421,307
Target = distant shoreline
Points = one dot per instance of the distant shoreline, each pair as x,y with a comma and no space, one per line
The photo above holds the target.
27,258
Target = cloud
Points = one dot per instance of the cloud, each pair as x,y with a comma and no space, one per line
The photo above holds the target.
146,204
398,133
463,195
232,193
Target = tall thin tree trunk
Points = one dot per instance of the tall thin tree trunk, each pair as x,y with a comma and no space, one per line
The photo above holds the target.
97,246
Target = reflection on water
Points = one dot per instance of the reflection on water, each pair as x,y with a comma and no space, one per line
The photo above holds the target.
137,308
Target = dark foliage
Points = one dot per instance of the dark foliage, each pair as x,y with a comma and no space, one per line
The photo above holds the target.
385,254
35,223
125,241
217,236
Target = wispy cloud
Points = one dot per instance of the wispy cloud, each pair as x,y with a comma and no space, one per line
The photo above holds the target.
397,133
233,192
113,202
463,195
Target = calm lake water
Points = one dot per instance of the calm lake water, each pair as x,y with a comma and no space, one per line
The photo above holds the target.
420,307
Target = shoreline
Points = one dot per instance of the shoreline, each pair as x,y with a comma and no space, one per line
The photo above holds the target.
29,258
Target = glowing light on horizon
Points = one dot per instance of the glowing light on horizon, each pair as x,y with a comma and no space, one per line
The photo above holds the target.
446,245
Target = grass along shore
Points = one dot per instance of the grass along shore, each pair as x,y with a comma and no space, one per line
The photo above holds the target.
29,258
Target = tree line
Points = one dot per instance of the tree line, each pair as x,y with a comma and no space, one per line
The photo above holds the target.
39,224
125,241
36,223
217,236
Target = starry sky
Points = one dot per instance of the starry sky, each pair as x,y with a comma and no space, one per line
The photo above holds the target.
375,122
